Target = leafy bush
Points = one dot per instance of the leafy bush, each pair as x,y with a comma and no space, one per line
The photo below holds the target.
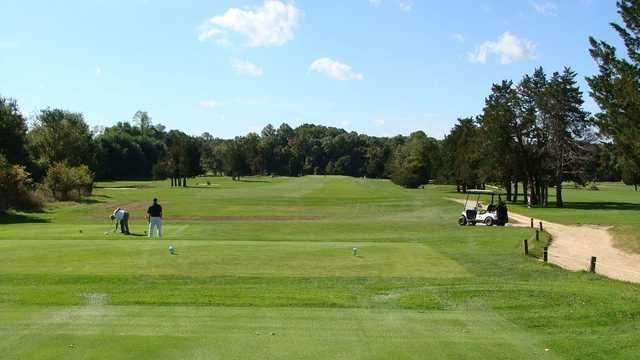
15,188
69,182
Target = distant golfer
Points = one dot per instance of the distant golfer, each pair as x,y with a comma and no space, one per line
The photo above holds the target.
154,216
121,216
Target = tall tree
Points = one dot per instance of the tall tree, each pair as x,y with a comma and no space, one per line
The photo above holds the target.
462,156
13,132
500,159
411,166
61,136
142,120
566,124
616,89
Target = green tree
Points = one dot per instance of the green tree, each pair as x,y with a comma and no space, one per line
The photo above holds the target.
13,132
236,163
60,136
500,161
142,120
69,182
461,147
565,123
16,188
411,165
616,89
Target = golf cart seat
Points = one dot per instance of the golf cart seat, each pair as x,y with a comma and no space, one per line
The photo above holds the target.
471,214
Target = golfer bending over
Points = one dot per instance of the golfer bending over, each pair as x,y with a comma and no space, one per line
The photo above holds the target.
121,216
154,216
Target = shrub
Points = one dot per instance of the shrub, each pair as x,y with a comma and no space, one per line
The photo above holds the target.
69,182
15,188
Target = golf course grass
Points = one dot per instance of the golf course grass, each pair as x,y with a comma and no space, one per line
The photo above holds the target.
264,269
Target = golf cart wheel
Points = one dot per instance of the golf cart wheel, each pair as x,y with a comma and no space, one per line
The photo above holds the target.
462,221
488,221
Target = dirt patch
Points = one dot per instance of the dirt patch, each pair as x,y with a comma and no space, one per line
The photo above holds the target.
130,206
574,245
226,218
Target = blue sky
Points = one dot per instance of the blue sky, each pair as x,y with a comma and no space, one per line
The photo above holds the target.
382,67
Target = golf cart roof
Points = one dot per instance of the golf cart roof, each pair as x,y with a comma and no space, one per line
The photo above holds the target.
489,192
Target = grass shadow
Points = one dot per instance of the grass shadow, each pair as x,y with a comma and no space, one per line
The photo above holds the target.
102,196
89,201
136,235
625,206
13,218
115,187
254,181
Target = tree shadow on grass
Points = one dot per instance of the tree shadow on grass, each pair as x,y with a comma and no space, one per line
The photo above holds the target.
13,218
89,201
102,196
600,206
253,181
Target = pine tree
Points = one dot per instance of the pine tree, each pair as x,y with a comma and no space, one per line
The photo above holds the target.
616,89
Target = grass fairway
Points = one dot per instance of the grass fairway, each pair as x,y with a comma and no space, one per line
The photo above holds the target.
264,270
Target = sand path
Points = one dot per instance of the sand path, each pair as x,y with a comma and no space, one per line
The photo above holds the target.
574,245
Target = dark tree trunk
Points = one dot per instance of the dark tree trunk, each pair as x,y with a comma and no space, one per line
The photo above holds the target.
458,187
171,181
533,194
540,191
507,186
515,191
525,192
184,182
636,186
546,194
559,202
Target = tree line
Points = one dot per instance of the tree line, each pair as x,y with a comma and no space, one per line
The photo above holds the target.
532,135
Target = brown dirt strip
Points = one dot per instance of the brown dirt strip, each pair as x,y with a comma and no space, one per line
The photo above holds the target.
573,245
224,218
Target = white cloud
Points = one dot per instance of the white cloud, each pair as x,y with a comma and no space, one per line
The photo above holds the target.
335,69
246,67
272,24
509,47
379,122
406,5
207,33
210,104
545,8
457,37
98,71
345,124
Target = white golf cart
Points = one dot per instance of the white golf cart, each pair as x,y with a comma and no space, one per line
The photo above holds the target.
475,213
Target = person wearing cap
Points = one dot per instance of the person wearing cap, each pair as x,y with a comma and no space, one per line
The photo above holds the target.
154,217
121,216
